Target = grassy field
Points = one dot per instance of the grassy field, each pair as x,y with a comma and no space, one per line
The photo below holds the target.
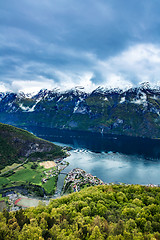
26,174
3,182
7,168
50,185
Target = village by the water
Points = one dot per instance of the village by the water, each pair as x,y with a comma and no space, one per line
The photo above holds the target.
74,181
77,179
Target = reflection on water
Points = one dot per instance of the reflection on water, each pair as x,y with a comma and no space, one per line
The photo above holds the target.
97,143
110,158
116,167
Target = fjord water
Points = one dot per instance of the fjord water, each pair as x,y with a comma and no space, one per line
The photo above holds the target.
109,157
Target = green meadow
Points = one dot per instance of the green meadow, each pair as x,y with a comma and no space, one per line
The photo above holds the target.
50,185
29,174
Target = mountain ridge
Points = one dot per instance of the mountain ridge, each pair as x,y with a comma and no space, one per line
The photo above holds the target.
132,112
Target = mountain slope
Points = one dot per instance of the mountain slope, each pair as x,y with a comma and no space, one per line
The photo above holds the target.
134,112
17,144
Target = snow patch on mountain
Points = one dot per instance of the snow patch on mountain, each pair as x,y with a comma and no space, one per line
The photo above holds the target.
78,108
60,99
2,95
123,99
28,109
155,110
141,99
25,109
105,99
154,97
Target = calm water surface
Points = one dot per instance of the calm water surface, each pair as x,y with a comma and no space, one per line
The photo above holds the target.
116,167
111,158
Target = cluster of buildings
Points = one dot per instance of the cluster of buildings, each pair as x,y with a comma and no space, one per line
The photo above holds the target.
49,174
12,197
78,178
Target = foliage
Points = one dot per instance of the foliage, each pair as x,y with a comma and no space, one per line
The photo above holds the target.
101,212
17,144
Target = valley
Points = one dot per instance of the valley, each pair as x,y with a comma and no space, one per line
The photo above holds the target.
111,158
28,164
118,207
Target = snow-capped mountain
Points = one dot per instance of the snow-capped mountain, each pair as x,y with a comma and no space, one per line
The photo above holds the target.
135,111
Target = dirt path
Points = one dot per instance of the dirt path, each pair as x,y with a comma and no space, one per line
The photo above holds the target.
48,164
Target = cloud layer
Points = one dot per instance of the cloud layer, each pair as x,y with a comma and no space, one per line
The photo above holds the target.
60,43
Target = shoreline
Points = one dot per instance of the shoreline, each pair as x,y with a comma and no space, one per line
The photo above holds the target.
47,197
91,132
14,195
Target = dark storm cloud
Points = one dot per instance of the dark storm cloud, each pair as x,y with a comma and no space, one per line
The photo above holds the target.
78,42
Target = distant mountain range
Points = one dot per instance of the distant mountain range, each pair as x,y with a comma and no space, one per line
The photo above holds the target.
134,112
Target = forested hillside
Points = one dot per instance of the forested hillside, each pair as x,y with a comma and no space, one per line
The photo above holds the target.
17,144
101,212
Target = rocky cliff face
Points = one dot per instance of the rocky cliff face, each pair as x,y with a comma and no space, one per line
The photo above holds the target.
134,112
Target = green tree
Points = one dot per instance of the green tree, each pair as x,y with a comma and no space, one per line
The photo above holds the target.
30,233
148,227
86,211
4,230
130,225
21,218
96,234
119,228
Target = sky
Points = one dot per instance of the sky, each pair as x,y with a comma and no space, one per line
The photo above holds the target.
68,43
